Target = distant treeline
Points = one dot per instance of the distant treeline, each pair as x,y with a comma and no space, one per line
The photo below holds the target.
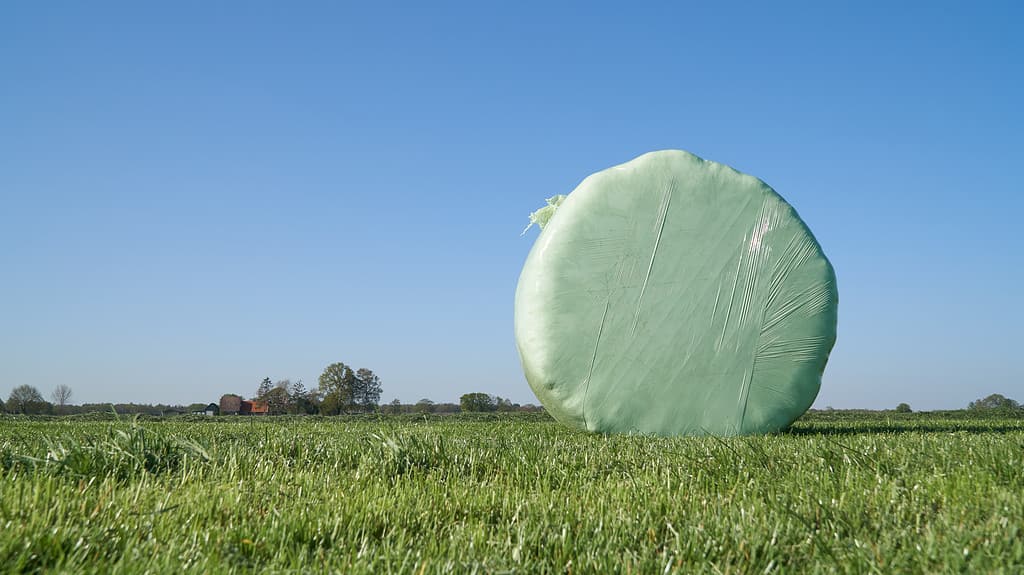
416,412
158,409
163,410
359,391
839,415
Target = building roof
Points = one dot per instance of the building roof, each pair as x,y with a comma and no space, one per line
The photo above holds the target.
254,406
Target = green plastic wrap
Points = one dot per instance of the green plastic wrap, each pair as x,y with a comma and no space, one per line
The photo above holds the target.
675,296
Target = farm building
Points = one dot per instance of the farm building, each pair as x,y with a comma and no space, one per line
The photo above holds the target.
253,407
230,404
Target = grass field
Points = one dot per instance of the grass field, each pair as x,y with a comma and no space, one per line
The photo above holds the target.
839,493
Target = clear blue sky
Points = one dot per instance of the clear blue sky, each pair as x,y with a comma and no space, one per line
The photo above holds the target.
198,195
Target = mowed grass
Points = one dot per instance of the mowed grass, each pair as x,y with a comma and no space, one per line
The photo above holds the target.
861,494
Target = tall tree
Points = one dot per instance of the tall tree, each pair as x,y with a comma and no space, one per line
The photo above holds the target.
368,389
265,386
26,399
298,399
314,397
61,394
330,404
277,398
424,406
337,384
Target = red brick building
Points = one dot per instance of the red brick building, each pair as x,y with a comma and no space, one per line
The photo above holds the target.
253,407
230,404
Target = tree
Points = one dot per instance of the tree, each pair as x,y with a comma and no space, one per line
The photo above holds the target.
2,406
367,389
424,406
330,404
61,394
277,398
313,399
477,402
395,406
994,401
337,384
265,386
299,399
26,399
903,408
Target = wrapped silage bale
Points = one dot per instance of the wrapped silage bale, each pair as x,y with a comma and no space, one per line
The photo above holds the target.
674,296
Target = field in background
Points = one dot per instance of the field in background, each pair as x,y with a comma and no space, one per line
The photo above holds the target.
839,493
